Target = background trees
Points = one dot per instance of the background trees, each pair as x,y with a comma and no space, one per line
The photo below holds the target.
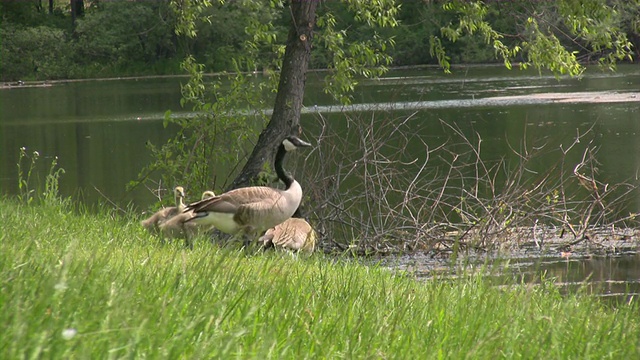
108,38
117,37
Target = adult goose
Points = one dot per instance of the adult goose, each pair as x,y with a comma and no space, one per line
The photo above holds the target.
152,223
253,209
177,227
293,234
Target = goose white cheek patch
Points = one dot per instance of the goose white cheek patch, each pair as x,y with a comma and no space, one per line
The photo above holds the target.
288,145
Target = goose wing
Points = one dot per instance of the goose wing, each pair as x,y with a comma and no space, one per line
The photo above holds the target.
238,200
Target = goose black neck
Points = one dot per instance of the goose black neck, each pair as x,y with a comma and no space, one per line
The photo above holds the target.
286,178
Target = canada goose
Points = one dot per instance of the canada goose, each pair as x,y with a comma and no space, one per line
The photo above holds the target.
293,234
176,226
255,208
152,224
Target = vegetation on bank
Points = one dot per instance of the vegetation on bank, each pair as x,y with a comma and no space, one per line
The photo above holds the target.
84,285
118,38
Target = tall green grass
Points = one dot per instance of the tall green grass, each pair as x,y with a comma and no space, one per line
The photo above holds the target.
94,286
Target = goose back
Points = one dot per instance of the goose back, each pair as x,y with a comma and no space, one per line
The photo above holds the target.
258,207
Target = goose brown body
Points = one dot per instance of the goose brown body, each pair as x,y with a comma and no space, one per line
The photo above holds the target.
253,209
250,208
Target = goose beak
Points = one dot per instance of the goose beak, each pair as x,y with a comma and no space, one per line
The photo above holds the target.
293,142
304,143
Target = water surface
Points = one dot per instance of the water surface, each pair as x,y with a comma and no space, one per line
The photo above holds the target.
98,130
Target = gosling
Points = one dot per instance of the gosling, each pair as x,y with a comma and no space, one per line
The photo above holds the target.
293,234
153,223
178,227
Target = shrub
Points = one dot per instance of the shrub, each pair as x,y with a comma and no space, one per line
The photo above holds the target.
124,32
39,52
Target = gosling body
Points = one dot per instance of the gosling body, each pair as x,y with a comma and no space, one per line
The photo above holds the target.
178,227
294,234
152,224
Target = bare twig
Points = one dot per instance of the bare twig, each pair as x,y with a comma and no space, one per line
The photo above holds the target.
397,191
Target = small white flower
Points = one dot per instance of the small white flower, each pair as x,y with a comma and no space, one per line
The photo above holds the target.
69,333
36,153
61,286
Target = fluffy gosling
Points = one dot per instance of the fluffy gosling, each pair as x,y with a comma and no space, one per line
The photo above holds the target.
153,223
293,234
177,227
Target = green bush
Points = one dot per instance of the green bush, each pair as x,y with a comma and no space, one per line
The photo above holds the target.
40,52
122,32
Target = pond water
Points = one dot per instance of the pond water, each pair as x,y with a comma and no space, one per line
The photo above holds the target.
98,130
613,277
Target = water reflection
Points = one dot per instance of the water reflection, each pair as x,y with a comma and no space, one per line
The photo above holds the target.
613,277
616,277
497,101
98,129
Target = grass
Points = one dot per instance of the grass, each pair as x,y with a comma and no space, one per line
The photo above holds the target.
77,285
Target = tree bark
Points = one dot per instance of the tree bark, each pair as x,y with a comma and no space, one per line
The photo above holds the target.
635,40
73,14
285,119
77,10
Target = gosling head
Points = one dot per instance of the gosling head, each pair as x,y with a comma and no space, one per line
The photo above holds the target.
208,194
179,191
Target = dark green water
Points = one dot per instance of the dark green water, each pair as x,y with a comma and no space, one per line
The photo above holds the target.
615,277
98,129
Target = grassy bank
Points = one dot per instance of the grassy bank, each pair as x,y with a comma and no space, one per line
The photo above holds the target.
78,285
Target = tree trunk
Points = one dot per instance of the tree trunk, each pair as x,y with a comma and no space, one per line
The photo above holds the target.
635,40
73,14
80,8
285,119
77,10
50,7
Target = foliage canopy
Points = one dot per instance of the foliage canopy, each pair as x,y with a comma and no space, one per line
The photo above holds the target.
535,33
